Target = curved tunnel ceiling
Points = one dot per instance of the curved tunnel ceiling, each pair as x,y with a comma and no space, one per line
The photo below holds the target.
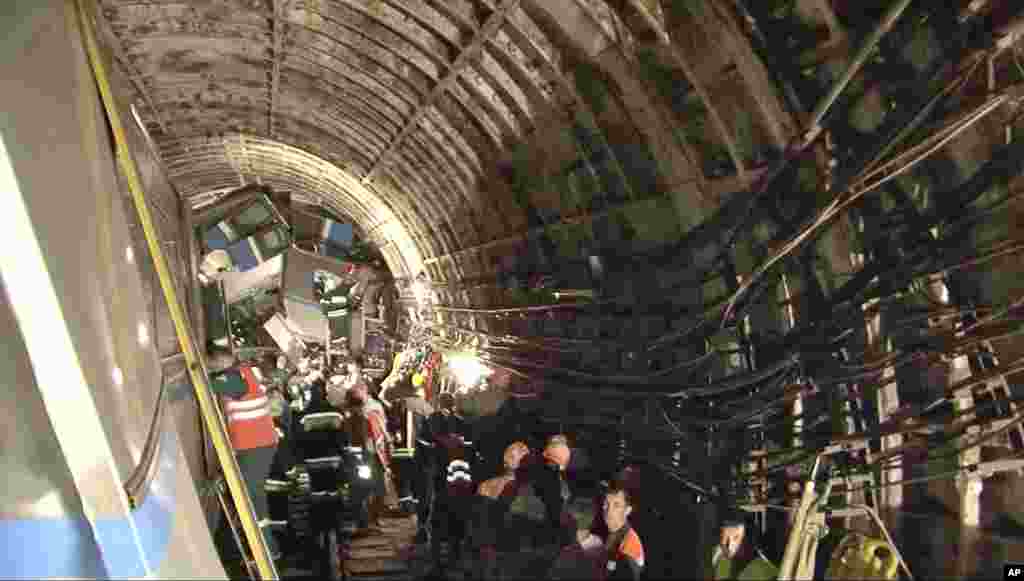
389,111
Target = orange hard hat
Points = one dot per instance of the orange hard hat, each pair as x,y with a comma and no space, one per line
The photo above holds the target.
514,454
557,451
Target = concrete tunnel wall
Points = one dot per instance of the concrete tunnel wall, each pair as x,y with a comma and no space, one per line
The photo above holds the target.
478,178
465,176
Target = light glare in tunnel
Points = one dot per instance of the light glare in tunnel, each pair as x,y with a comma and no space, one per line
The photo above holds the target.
468,369
129,255
118,377
143,334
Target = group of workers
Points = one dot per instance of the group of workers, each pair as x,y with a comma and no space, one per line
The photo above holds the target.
258,405
528,501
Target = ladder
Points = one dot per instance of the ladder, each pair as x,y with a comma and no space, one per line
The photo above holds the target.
864,479
234,525
998,389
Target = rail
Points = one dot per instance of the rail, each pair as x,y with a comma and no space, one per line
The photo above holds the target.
208,405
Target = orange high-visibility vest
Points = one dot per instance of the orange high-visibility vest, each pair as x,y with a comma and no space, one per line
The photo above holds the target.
629,549
248,417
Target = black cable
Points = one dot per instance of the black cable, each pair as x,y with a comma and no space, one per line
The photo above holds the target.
878,150
897,128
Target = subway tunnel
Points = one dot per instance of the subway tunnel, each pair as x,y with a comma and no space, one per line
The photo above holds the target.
739,244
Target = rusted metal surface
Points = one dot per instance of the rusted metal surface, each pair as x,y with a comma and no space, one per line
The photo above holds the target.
275,77
244,91
698,78
782,126
309,96
450,80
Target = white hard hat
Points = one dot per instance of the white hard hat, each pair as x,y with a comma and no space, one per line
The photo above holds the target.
214,262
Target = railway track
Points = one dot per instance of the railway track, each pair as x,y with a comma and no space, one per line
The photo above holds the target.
388,556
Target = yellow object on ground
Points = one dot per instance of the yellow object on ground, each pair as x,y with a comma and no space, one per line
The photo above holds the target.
861,557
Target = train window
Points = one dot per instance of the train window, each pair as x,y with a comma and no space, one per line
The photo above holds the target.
216,239
253,217
273,242
243,256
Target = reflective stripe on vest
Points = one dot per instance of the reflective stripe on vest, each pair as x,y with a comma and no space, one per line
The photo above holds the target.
248,409
249,415
247,404
248,418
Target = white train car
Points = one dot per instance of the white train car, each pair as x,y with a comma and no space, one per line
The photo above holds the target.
102,440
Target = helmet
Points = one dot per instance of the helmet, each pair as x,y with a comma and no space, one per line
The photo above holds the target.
557,451
358,392
733,517
514,454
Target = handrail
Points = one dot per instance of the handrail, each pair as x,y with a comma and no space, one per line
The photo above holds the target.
196,368
137,484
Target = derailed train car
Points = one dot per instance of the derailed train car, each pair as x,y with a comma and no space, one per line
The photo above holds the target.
99,475
252,273
107,456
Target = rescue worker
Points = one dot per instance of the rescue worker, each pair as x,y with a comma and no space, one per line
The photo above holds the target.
738,555
312,388
277,377
251,430
497,495
442,425
553,483
367,427
414,481
621,554
630,478
454,494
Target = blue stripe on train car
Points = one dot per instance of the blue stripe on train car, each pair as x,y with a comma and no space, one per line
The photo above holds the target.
40,548
56,547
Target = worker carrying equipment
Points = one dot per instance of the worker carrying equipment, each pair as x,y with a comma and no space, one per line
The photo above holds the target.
250,428
738,555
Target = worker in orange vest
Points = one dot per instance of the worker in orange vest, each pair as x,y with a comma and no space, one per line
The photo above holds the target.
620,554
250,428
